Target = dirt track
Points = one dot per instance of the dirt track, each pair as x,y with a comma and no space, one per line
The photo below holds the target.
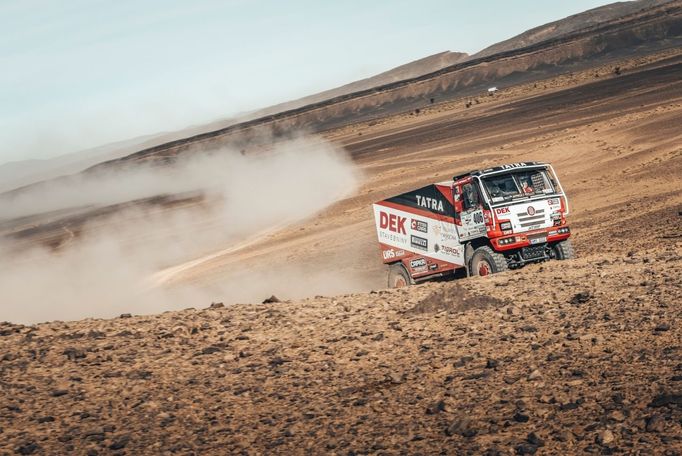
569,357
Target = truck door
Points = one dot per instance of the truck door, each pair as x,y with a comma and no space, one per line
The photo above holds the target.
472,221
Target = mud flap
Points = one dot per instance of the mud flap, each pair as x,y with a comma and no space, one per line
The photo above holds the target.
468,253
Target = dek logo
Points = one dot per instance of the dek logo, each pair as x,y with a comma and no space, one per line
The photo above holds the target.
392,222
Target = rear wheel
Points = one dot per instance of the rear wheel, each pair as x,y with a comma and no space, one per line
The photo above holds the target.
564,250
486,261
398,276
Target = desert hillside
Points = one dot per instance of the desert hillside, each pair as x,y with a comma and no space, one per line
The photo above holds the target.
573,357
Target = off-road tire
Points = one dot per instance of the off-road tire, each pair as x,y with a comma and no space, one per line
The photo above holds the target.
398,276
486,261
564,250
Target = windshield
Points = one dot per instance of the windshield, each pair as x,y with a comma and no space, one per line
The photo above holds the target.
518,184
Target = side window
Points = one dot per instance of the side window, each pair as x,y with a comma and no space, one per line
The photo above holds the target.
456,197
470,198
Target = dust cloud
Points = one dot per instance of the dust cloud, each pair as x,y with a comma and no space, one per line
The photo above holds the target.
109,268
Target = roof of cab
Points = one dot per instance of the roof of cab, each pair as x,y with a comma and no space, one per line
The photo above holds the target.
507,167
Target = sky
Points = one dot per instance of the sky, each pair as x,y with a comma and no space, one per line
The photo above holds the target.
82,73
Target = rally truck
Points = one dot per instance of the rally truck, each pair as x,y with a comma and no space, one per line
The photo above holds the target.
479,223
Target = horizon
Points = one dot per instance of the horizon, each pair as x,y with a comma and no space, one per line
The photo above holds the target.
92,74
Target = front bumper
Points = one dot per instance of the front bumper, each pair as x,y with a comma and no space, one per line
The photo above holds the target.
531,239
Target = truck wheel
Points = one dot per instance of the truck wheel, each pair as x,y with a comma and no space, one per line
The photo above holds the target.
564,250
486,261
398,276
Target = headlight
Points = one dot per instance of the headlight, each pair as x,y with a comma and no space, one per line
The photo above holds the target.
506,226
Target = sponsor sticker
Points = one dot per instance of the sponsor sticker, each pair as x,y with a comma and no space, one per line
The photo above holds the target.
433,267
417,263
445,233
530,210
392,222
392,253
391,237
513,165
502,210
419,225
430,203
419,242
452,251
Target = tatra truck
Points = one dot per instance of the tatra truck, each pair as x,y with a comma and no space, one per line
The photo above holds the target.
481,222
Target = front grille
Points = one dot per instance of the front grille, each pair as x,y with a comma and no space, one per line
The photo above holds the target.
533,252
526,220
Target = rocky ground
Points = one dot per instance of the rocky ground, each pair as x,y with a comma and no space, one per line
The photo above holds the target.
581,356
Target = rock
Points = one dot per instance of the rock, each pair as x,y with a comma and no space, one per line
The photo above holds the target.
535,375
521,417
569,406
435,408
662,327
140,374
525,448
27,448
461,426
120,442
59,393
581,298
666,399
272,299
395,377
462,361
617,415
45,419
277,361
216,305
605,438
552,356
533,439
125,315
74,353
491,364
513,310
7,328
655,423
210,350
476,375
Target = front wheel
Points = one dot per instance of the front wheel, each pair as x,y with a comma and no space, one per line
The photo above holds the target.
486,261
398,276
564,250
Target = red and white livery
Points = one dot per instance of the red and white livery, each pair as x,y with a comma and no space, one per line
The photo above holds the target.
484,221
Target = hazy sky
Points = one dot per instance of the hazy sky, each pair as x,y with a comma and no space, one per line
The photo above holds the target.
81,73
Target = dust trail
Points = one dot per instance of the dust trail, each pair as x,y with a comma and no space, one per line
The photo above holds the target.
106,270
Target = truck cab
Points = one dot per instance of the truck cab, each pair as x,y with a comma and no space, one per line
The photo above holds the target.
484,221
